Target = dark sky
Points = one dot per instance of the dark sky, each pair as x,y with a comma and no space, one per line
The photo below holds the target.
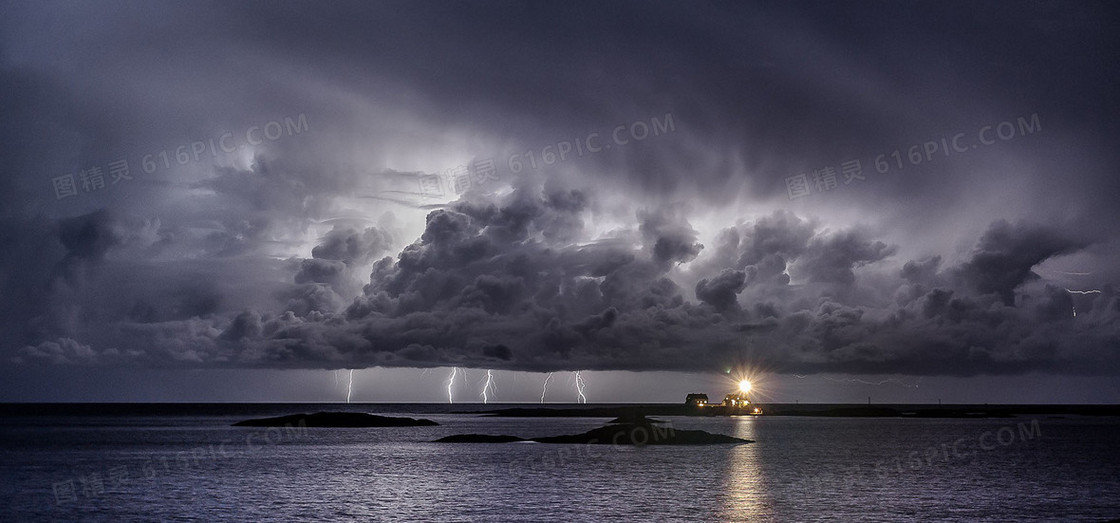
216,201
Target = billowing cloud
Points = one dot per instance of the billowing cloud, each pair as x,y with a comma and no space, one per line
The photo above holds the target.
1003,259
425,193
489,283
721,291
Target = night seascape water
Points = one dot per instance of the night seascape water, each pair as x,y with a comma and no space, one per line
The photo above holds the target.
185,462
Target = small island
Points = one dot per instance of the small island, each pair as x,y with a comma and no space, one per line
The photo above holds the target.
335,419
631,429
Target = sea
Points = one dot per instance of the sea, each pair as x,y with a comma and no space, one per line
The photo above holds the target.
185,462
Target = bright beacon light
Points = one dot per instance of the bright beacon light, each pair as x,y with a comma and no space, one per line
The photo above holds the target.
745,386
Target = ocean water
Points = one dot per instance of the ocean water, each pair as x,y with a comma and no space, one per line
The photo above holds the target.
185,463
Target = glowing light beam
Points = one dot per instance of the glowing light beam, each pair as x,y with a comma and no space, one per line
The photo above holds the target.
1090,291
451,384
489,386
889,381
876,383
580,385
544,389
350,386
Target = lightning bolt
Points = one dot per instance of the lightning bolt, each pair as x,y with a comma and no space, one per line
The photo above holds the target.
350,386
488,386
879,383
876,383
1090,291
451,383
545,388
580,384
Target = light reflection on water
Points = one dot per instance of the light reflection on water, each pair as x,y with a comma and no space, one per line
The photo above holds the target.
745,493
798,469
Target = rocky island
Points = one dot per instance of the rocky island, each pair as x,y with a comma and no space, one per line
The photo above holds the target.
335,419
632,429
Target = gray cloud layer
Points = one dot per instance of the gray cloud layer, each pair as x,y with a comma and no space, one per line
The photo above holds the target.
680,251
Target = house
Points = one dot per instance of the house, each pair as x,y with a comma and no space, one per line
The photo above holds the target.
696,400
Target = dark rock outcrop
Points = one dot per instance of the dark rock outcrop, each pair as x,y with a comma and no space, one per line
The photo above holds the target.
634,417
632,429
335,419
643,434
479,438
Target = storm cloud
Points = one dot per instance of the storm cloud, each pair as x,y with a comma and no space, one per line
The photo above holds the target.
547,187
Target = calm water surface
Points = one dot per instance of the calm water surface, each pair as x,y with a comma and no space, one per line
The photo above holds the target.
191,465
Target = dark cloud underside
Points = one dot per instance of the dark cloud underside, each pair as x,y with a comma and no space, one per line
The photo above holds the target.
682,250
